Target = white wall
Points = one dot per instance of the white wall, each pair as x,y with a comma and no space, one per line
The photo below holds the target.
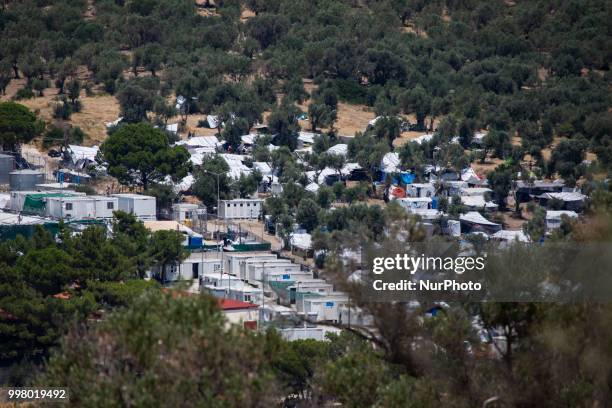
232,262
241,315
243,264
143,207
256,272
82,208
240,209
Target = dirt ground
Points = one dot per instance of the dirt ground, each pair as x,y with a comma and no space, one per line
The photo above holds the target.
97,110
351,118
489,165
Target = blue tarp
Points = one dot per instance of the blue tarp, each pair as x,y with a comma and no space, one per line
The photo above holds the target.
407,178
398,178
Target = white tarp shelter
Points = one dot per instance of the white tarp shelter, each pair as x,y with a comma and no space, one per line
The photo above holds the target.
302,241
213,121
474,222
510,235
340,149
478,202
210,142
554,218
423,138
307,138
470,176
83,153
390,163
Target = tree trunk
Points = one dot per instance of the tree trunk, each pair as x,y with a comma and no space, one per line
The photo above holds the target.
16,71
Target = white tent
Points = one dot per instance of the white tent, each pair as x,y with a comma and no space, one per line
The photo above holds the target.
474,217
469,175
423,138
390,163
312,187
339,149
478,202
173,127
301,241
427,214
349,167
566,196
236,167
114,122
210,142
198,155
83,153
420,190
263,167
413,203
510,235
183,185
474,222
554,218
249,139
478,137
307,137
475,191
213,121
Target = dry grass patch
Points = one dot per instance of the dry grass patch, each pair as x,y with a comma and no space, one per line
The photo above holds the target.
97,110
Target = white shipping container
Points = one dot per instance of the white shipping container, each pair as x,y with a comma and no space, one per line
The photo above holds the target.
232,262
143,207
325,307
80,208
243,272
257,272
240,209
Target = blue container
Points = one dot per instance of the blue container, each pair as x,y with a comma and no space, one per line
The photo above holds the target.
195,242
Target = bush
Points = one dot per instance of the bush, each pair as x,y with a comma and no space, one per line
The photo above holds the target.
62,110
53,136
24,93
84,188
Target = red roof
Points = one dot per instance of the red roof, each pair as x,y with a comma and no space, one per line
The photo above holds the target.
231,304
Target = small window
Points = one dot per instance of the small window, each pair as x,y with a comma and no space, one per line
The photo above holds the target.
69,206
241,204
110,206
248,204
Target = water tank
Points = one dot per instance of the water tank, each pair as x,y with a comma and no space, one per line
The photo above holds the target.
22,180
7,165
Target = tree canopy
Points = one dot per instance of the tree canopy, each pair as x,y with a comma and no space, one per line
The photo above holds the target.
139,154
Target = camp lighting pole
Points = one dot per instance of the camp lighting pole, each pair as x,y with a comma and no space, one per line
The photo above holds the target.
297,293
218,200
218,211
263,282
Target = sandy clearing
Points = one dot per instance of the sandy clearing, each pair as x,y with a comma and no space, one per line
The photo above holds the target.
97,110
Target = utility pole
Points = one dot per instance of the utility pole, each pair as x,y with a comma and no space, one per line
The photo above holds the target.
220,248
263,283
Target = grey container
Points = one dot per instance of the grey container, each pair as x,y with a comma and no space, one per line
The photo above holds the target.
7,165
23,180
